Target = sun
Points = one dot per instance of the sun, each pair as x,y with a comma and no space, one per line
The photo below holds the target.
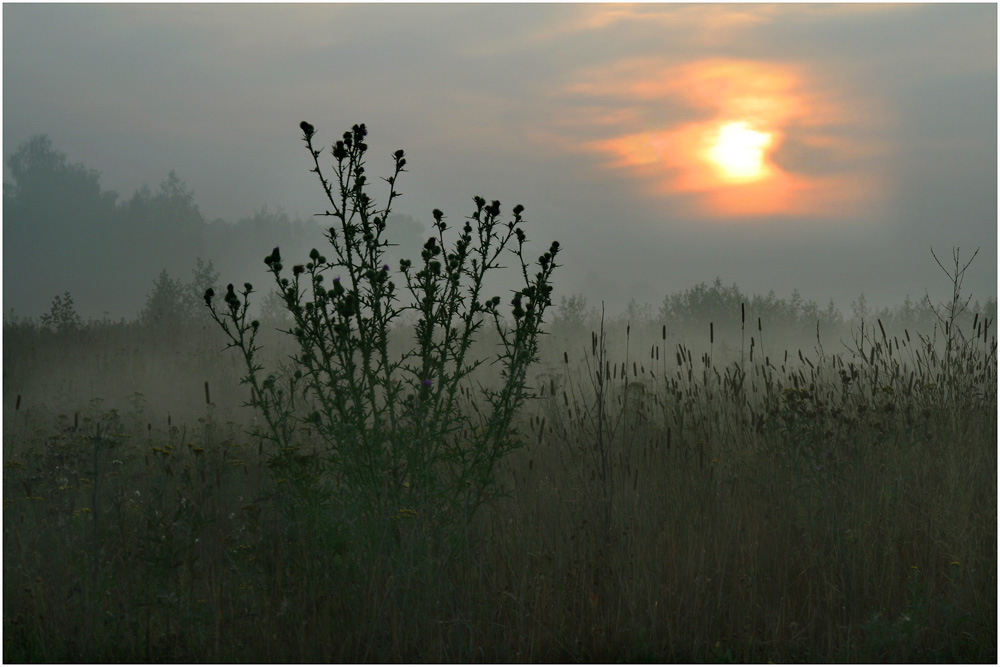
739,151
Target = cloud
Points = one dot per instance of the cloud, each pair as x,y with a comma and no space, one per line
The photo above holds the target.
689,25
662,125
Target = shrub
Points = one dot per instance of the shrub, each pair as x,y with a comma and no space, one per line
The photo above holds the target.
404,438
62,316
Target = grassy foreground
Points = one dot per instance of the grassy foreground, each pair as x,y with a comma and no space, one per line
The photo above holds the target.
674,507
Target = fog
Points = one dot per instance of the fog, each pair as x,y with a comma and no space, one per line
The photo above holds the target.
138,139
771,342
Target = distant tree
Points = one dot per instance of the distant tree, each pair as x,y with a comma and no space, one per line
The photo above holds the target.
166,304
62,316
635,316
205,276
572,315
701,304
172,303
859,309
55,216
831,319
167,222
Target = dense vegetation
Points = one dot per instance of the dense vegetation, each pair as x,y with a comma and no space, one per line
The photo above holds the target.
747,505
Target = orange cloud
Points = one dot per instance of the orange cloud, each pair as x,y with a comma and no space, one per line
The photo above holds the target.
719,148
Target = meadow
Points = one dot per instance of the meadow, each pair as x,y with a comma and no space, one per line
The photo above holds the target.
712,495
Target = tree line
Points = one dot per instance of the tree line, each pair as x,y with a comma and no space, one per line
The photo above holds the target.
80,248
65,233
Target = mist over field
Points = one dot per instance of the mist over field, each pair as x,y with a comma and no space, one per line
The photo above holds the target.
492,333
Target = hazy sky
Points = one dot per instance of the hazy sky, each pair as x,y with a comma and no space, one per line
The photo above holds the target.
823,147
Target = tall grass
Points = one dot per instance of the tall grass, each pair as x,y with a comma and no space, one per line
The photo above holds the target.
671,506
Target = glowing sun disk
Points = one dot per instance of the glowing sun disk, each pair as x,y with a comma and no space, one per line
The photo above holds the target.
739,151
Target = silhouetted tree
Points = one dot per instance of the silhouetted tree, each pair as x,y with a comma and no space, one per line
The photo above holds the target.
62,316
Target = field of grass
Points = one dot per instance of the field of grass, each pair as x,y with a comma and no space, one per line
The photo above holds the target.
671,504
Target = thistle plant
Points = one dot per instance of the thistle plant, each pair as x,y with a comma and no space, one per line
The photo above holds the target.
404,431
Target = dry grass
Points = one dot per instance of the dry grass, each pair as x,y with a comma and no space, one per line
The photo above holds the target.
826,509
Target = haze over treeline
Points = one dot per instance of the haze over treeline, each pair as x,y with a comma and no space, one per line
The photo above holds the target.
118,255
64,232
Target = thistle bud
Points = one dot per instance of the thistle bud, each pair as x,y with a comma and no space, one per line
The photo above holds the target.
437,214
518,209
297,269
398,154
209,293
307,129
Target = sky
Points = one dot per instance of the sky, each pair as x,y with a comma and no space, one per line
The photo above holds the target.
825,148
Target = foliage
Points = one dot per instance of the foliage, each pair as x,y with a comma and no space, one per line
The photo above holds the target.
394,439
96,243
572,315
823,509
173,302
62,316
